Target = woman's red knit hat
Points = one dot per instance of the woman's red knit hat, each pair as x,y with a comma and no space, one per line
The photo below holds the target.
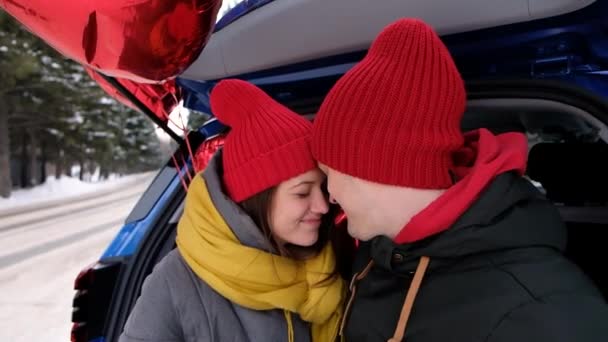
267,143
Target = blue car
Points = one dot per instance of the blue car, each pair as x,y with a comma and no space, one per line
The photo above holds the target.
533,66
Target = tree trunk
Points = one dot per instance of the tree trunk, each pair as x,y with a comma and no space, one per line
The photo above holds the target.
81,163
5,155
68,164
68,168
104,171
59,164
43,162
33,158
24,176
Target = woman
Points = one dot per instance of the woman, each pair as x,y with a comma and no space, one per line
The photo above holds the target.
253,262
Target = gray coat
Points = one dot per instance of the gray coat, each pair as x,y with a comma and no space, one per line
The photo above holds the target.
176,305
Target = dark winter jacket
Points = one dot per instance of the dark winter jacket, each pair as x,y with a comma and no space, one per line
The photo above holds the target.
496,275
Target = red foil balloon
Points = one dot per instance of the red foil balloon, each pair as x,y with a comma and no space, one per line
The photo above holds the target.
146,41
160,98
206,151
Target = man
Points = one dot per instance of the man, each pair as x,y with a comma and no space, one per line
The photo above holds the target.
455,244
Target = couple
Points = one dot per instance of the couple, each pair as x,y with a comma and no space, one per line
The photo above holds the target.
455,245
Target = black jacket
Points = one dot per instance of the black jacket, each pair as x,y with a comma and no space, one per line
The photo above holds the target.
498,274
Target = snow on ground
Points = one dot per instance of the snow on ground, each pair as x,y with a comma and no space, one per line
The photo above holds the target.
65,187
36,292
36,295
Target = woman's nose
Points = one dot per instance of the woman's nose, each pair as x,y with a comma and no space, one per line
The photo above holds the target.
320,205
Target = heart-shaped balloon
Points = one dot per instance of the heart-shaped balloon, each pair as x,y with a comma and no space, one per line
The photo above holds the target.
146,41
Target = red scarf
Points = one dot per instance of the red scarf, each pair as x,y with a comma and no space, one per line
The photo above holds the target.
483,157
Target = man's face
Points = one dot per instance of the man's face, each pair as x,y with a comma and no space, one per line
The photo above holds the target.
354,196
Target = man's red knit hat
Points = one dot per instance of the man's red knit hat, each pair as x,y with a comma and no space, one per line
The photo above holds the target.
267,143
395,117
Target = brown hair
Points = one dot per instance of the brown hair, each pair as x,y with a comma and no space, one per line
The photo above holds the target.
258,208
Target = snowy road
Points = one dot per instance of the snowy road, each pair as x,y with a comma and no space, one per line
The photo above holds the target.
42,252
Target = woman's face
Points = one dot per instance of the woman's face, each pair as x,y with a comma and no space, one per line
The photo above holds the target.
297,207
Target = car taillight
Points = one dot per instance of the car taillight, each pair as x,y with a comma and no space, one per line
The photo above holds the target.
80,305
79,332
85,278
94,286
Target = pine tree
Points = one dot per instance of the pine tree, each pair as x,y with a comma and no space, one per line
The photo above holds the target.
52,112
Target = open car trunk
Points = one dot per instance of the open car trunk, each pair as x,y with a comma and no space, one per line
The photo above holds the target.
567,129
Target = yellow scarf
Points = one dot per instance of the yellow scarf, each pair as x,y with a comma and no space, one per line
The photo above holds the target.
254,278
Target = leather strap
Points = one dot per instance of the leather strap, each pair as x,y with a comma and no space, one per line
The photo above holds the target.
406,310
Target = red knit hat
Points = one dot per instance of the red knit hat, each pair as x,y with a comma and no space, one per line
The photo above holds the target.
267,144
395,117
